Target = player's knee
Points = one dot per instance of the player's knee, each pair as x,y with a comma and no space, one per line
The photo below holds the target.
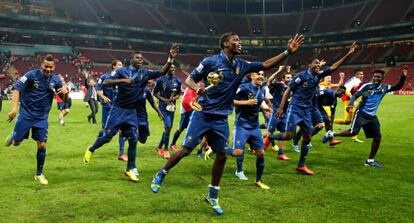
260,152
184,151
237,152
289,135
41,145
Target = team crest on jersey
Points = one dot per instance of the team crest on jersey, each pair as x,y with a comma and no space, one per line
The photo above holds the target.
237,71
238,142
251,95
189,138
305,84
36,84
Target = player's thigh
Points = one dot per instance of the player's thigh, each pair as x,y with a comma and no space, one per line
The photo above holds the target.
255,139
372,128
240,137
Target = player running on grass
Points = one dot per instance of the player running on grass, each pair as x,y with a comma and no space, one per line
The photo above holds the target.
217,105
303,87
131,82
366,112
35,91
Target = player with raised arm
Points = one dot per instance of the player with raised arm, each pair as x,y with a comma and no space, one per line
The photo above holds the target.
225,73
366,113
302,88
131,82
35,91
277,89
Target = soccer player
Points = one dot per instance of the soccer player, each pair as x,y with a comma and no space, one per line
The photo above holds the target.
277,89
35,92
366,113
351,85
63,103
106,95
167,90
323,98
248,100
216,105
303,87
131,82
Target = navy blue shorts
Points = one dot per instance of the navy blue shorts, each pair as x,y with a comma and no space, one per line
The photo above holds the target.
276,123
316,116
168,117
123,119
61,106
185,119
105,113
215,127
370,124
23,126
299,116
251,136
143,128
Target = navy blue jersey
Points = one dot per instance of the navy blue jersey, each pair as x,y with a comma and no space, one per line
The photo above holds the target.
277,89
142,105
326,97
304,85
247,116
372,95
36,94
128,95
219,99
108,91
167,87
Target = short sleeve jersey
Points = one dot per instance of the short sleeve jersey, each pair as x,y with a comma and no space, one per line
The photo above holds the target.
304,85
36,94
219,99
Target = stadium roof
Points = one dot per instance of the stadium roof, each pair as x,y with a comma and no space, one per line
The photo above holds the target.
248,6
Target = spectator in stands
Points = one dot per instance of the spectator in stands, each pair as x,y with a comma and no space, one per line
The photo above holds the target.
91,97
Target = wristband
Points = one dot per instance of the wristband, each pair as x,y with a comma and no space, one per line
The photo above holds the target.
286,52
170,60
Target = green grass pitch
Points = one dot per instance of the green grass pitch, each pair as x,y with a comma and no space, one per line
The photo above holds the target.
342,189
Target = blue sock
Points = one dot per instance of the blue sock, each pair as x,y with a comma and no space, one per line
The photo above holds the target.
229,151
175,137
303,153
260,164
281,151
239,161
315,131
121,141
132,153
100,141
161,141
278,136
166,140
40,157
297,137
213,191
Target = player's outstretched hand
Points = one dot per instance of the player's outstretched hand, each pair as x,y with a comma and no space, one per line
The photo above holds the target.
405,70
322,62
341,74
63,90
352,48
295,43
174,50
11,115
